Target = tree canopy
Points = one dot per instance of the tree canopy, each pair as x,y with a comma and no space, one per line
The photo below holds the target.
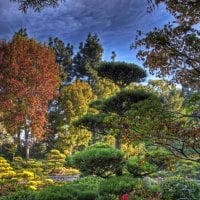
36,5
29,77
174,49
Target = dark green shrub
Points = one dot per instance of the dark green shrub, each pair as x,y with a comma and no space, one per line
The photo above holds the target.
101,160
74,191
55,193
139,167
175,188
115,187
22,195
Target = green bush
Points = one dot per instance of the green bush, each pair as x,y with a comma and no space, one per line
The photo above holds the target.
22,195
175,188
74,191
92,180
139,167
101,160
115,187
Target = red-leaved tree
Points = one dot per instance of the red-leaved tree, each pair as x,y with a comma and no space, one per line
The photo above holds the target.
29,77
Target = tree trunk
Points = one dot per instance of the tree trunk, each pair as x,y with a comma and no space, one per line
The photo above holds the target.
118,141
93,138
27,145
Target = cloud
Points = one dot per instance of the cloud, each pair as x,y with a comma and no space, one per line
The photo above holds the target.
115,21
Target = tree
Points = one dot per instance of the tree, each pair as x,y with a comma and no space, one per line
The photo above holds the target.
21,32
29,77
105,88
73,102
163,122
113,56
36,5
88,58
111,119
174,49
64,55
121,73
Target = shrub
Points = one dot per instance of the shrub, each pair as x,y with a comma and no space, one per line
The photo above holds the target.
175,188
139,167
21,195
92,180
72,191
115,187
101,160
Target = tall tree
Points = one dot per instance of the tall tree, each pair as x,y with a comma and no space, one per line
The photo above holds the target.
64,58
36,5
88,58
29,77
112,109
174,49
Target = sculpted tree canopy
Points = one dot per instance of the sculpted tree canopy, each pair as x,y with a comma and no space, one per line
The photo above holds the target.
121,73
174,49
36,5
29,77
122,101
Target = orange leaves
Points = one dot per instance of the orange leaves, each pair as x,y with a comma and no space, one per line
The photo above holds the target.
29,79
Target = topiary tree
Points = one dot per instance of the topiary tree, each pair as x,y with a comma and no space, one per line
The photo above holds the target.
121,73
99,159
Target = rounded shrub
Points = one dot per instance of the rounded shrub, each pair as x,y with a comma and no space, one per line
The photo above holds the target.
100,159
175,188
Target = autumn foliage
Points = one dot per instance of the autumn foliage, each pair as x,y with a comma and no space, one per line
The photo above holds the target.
28,80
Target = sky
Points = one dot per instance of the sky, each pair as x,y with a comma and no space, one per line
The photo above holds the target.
115,22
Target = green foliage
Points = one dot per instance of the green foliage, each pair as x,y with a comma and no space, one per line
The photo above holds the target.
115,186
105,88
122,101
55,158
160,157
72,191
92,180
139,166
72,139
88,58
21,195
99,160
63,55
186,168
121,73
175,188
93,122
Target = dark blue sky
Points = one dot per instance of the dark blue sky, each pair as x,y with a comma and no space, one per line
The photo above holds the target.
115,21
